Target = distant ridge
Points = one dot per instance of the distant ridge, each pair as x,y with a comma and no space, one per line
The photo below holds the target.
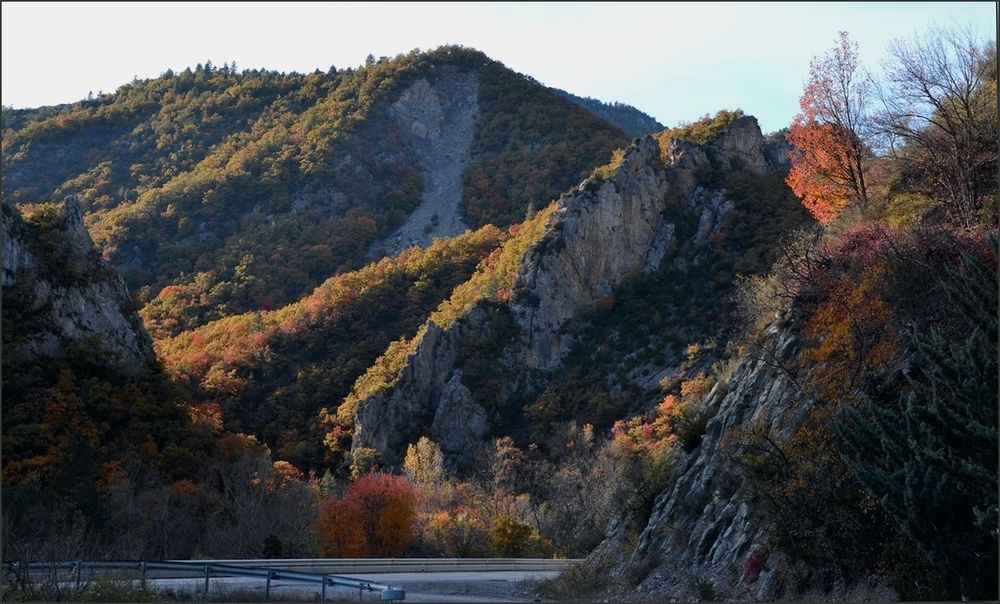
635,123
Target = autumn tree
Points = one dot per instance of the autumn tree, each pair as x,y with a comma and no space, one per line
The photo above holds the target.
336,529
830,154
424,463
459,532
374,518
261,499
940,115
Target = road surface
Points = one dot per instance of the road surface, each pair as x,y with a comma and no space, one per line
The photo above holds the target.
455,586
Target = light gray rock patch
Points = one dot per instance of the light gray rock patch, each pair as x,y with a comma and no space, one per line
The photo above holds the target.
438,118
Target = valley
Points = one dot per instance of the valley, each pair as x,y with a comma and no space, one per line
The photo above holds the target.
431,308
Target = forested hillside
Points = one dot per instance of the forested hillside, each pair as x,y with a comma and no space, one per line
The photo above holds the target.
244,190
635,123
269,373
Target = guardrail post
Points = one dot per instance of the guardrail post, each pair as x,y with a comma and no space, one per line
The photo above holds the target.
142,570
322,591
208,569
78,564
267,589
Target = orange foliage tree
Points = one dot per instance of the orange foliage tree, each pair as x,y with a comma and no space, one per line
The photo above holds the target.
853,331
337,530
830,156
819,163
373,519
457,532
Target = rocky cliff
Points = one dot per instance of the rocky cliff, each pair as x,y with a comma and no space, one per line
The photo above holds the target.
428,398
599,235
58,291
602,233
706,536
702,528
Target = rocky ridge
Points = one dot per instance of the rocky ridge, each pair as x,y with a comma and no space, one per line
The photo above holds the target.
601,233
701,528
703,531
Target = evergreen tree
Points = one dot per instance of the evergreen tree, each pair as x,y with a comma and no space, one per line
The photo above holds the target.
931,457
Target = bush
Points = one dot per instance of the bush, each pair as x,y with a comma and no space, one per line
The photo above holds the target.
458,533
689,426
701,131
578,582
757,302
604,172
510,538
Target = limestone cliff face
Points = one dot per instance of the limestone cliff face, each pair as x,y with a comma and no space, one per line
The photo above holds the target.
59,291
599,235
429,399
602,232
703,528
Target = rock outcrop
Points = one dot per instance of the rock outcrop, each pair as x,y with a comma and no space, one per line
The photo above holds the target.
701,528
63,293
438,120
602,232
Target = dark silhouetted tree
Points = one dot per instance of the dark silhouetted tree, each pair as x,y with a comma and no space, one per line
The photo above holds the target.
931,457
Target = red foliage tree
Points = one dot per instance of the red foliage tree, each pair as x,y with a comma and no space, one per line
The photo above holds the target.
373,519
830,156
819,161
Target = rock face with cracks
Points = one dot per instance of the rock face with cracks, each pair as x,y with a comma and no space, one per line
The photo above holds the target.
83,301
701,529
599,235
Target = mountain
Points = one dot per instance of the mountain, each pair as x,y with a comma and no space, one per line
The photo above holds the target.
633,122
632,240
249,189
429,307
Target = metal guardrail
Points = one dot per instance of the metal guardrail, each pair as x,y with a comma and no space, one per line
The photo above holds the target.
210,568
405,565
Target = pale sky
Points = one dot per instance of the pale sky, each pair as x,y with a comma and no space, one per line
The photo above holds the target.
675,61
